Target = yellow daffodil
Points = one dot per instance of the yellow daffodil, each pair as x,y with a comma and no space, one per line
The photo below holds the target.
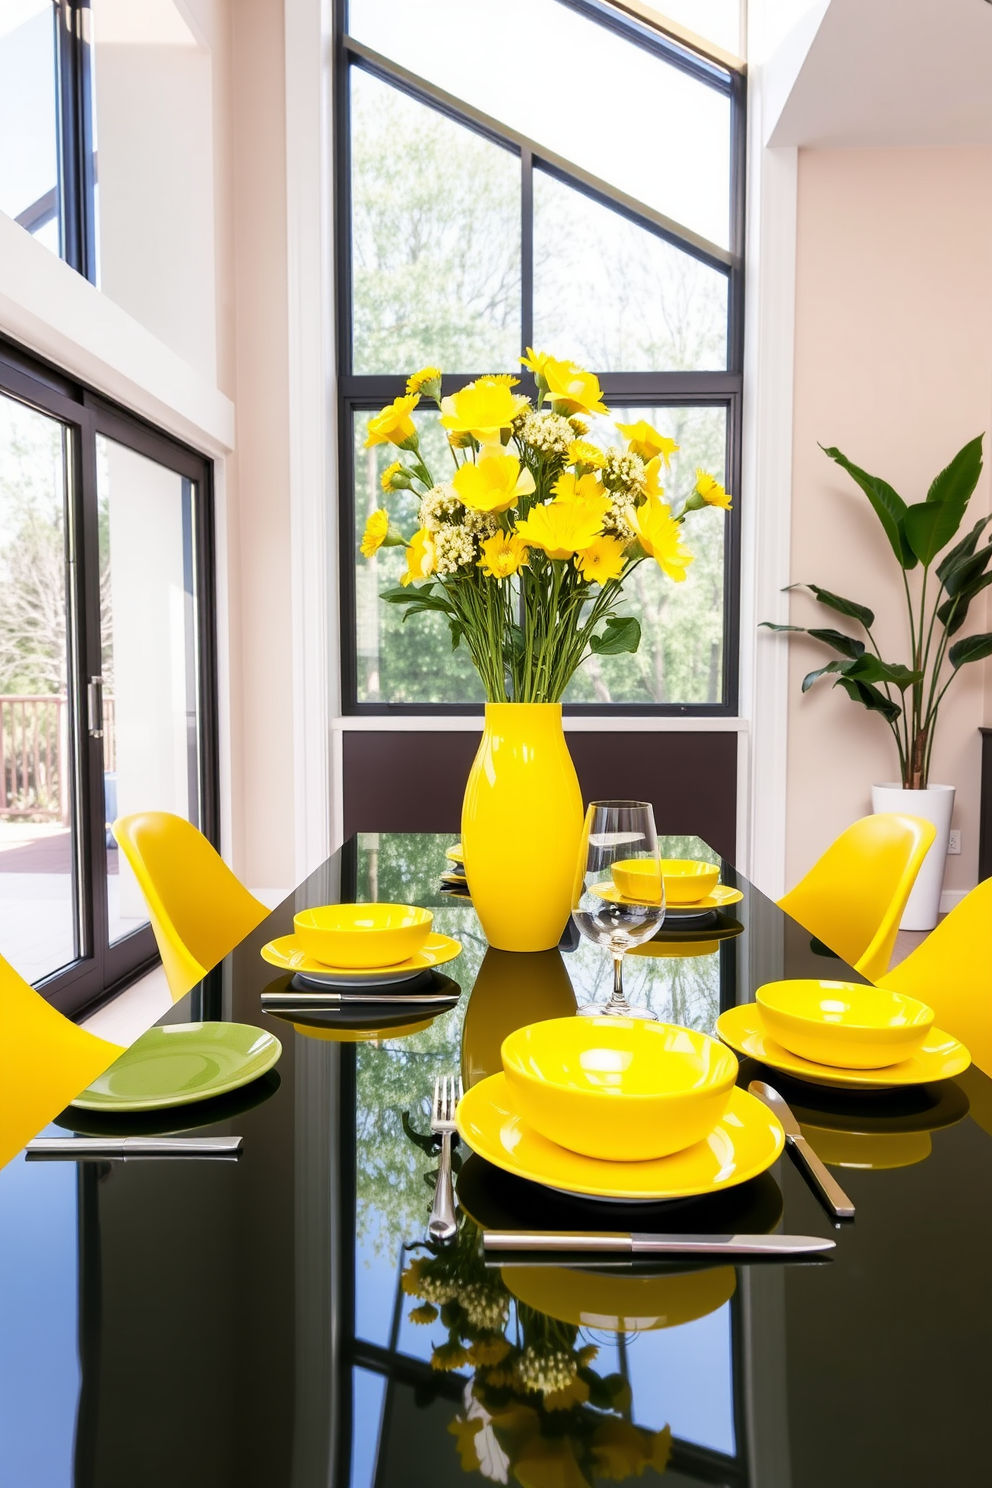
427,380
424,1314
420,557
572,390
450,1355
465,1433
652,470
644,440
620,1450
378,533
493,484
561,529
534,362
545,1462
603,561
395,477
482,409
574,1393
393,425
502,556
498,379
569,487
711,490
584,455
661,538
489,1350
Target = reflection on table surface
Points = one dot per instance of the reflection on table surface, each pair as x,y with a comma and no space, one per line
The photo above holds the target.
279,1321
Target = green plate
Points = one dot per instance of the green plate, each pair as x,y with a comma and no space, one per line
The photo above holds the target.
178,1063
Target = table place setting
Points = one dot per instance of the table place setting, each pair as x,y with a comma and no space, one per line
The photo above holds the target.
843,1035
351,948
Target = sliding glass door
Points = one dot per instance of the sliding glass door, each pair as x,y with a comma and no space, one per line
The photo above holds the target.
106,672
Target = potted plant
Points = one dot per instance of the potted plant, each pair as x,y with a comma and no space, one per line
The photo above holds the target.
524,549
938,597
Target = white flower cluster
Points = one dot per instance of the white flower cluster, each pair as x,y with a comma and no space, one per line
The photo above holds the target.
480,524
485,1307
623,472
546,1369
618,521
453,548
441,504
548,433
435,1289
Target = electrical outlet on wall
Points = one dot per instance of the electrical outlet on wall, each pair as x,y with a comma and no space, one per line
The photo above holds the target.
954,842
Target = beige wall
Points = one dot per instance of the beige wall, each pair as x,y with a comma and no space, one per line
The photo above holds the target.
893,364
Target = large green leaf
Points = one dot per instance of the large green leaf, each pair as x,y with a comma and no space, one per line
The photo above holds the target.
972,648
953,487
831,666
961,550
621,634
929,527
837,602
871,669
954,611
870,697
845,644
967,570
888,506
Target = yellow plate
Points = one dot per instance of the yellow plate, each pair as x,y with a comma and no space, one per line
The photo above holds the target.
744,1142
941,1057
287,956
721,896
455,853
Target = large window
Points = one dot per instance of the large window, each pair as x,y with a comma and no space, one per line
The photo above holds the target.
47,156
550,173
106,672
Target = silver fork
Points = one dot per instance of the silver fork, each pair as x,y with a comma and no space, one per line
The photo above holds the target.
442,1223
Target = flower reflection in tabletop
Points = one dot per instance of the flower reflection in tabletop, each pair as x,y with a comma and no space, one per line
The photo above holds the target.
535,1406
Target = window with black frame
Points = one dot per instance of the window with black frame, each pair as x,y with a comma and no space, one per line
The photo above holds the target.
47,153
548,173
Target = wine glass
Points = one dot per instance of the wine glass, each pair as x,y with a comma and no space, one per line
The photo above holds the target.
618,900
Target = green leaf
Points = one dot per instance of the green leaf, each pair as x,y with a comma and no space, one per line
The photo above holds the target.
457,631
621,634
770,625
400,596
972,648
929,527
869,697
962,602
887,504
831,666
871,669
845,644
954,486
961,550
966,570
843,606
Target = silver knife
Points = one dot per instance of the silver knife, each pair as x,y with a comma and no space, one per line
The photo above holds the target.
611,1242
120,1149
833,1195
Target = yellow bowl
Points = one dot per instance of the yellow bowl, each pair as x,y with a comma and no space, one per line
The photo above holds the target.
638,879
841,1024
618,1088
687,880
362,935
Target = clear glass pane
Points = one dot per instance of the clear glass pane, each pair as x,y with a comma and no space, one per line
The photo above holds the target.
149,655
714,20
680,658
397,662
29,118
436,238
584,92
613,296
38,922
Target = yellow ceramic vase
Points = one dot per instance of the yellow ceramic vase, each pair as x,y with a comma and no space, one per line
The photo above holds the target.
521,824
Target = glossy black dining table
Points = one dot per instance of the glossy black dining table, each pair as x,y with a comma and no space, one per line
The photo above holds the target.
266,1322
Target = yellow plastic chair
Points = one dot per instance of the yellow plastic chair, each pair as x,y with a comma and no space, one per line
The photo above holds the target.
45,1061
854,896
199,910
952,973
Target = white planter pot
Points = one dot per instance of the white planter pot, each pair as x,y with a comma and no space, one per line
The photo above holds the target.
934,804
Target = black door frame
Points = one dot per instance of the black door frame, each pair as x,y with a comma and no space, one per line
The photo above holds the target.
102,969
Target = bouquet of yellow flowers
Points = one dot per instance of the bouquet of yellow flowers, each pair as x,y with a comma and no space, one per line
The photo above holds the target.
526,548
